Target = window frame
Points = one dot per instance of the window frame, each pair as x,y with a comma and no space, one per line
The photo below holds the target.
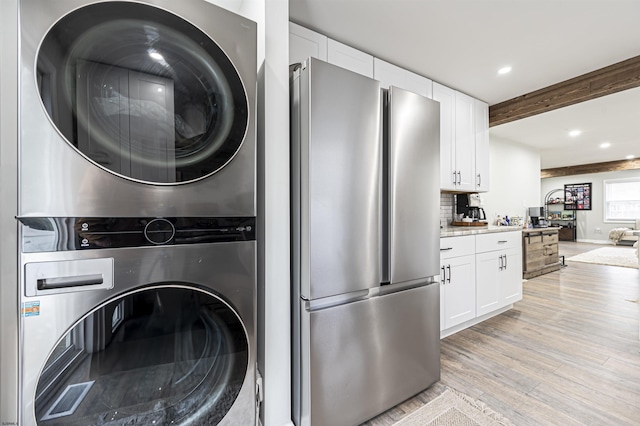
605,200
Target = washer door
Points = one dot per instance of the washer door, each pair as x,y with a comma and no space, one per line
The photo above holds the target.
142,93
168,354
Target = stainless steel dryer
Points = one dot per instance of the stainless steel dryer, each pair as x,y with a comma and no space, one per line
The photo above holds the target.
136,108
138,321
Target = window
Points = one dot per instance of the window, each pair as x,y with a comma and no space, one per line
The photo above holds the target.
622,200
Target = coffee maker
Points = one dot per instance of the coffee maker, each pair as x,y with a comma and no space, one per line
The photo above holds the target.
471,206
538,217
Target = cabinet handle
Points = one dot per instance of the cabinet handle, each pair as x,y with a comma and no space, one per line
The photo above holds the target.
502,241
459,177
500,262
479,179
446,248
449,269
443,275
455,178
505,261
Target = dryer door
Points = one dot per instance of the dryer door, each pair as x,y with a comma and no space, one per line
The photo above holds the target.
142,93
168,354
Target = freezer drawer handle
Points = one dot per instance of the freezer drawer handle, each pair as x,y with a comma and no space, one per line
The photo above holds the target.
75,281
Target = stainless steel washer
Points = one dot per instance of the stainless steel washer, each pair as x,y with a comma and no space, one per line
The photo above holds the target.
138,321
136,108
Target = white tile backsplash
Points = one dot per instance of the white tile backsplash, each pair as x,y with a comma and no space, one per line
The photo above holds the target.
447,206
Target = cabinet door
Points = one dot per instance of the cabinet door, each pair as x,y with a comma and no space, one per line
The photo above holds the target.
349,58
465,140
304,43
391,75
482,145
458,291
447,99
488,271
511,277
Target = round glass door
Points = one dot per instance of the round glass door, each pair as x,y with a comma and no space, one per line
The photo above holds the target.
163,355
142,92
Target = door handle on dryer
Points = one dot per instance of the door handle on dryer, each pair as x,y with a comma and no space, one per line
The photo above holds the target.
74,281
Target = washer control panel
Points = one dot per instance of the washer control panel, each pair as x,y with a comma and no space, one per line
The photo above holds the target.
72,233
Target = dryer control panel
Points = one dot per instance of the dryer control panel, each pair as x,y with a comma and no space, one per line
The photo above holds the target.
45,234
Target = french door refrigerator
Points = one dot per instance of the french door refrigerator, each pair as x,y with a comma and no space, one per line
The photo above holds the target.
365,245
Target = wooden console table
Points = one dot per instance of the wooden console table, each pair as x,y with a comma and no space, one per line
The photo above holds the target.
539,251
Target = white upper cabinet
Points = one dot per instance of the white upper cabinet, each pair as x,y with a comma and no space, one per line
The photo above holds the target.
482,145
392,75
447,99
304,43
465,132
349,58
464,152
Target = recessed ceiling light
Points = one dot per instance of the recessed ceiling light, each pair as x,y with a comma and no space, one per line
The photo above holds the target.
575,133
630,157
504,70
605,145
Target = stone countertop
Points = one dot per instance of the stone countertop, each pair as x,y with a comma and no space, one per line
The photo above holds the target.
456,231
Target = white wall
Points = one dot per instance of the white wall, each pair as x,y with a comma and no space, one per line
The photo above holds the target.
8,210
590,224
515,179
274,338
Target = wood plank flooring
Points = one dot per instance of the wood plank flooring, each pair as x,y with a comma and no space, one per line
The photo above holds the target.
567,354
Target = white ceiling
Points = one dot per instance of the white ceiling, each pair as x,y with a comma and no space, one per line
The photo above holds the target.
462,44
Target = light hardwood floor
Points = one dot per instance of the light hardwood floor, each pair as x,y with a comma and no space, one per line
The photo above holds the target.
567,354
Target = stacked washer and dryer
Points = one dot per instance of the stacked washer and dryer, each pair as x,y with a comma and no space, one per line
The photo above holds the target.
136,213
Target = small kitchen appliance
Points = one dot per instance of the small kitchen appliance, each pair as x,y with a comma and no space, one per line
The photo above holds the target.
537,216
470,205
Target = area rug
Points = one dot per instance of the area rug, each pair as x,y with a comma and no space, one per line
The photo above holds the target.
454,408
614,256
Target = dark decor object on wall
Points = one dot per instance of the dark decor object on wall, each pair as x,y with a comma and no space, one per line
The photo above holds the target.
577,196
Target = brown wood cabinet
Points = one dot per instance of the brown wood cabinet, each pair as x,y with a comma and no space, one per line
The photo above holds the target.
539,251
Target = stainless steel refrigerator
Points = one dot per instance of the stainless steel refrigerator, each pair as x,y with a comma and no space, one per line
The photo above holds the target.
365,245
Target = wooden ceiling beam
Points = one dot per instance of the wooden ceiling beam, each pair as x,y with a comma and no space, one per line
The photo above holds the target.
609,166
605,81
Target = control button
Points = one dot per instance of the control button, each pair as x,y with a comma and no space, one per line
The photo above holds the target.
159,231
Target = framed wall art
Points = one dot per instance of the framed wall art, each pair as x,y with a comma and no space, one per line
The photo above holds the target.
577,196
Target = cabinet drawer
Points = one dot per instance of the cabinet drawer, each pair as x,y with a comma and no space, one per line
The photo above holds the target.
498,241
550,252
550,237
457,246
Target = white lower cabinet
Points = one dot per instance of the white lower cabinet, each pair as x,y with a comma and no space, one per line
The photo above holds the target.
457,280
480,276
457,291
498,271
